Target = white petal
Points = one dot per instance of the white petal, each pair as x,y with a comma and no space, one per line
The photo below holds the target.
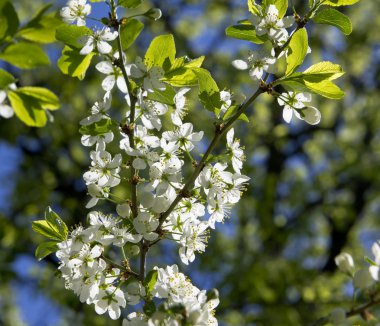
311,115
6,111
88,48
108,83
121,85
240,64
105,67
103,47
287,114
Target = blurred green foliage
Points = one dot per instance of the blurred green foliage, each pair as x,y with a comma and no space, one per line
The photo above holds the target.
314,190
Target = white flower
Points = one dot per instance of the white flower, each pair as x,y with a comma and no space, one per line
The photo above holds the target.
114,75
98,111
76,10
110,299
295,103
180,106
184,136
150,111
374,270
235,152
152,77
193,240
145,224
345,263
273,26
98,40
257,62
6,110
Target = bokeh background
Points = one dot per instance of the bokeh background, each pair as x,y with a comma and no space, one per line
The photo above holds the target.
314,191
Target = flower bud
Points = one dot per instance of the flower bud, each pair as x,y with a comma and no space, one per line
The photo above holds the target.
131,250
337,316
363,279
123,210
153,13
345,263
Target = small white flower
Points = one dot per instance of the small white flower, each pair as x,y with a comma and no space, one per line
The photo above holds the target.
152,77
98,40
184,136
235,152
345,263
257,62
374,270
6,110
180,106
76,10
110,299
114,75
295,103
145,224
271,25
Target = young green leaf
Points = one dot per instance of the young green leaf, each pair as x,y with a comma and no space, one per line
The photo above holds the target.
166,96
47,100
281,5
129,32
42,27
53,219
5,79
325,69
25,55
209,94
161,52
335,18
70,34
98,128
338,3
74,64
43,228
297,50
27,109
244,32
45,249
326,88
9,21
195,63
129,3
150,281
181,77
254,8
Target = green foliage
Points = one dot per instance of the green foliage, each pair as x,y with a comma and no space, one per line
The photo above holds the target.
70,34
281,5
161,52
150,281
74,64
335,18
9,21
129,32
338,3
98,128
254,8
317,79
5,79
166,96
52,227
25,55
130,3
182,73
30,103
209,93
46,248
297,51
244,32
41,28
149,308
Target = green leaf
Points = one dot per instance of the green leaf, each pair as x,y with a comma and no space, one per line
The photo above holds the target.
326,88
209,94
281,5
42,27
166,96
98,128
27,109
129,32
52,227
25,55
74,64
150,281
56,222
297,51
244,32
47,99
181,77
254,8
161,52
130,3
325,69
70,34
45,249
195,63
370,261
338,3
149,308
9,21
5,79
335,18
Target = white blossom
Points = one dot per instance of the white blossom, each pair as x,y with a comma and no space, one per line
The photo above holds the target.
6,111
99,41
76,10
152,77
